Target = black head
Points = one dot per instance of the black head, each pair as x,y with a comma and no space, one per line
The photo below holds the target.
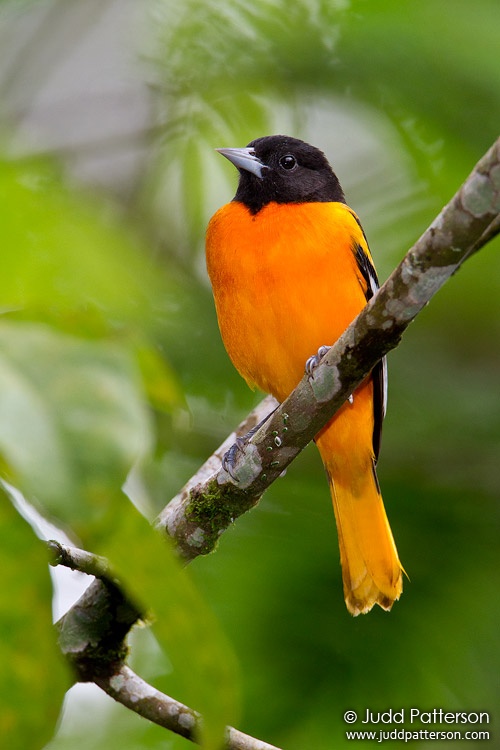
284,170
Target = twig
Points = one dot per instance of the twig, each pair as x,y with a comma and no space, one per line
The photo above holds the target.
78,559
133,692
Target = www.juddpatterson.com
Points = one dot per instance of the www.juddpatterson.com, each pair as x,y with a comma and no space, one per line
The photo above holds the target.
413,719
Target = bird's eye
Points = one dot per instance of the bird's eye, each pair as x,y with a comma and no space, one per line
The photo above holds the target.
288,162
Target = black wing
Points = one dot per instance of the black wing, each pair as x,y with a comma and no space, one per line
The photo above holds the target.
379,372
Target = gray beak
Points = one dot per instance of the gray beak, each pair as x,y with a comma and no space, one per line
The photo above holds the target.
243,158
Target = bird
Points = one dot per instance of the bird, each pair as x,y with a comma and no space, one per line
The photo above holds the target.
290,269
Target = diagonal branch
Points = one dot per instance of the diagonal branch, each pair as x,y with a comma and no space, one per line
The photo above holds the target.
202,511
133,692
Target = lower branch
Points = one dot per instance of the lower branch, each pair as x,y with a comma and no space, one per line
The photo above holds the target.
92,636
92,633
133,692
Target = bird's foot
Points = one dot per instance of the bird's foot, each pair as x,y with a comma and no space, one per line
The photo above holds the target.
229,458
313,362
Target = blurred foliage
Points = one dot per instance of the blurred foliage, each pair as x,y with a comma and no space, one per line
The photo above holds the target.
71,422
80,373
111,358
32,679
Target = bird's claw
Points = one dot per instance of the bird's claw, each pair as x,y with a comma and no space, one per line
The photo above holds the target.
313,362
229,458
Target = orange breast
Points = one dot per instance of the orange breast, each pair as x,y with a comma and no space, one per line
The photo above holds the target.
285,282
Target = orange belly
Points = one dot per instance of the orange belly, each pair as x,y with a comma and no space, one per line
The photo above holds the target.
279,282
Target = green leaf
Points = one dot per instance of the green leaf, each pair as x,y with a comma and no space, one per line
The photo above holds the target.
202,659
72,421
33,677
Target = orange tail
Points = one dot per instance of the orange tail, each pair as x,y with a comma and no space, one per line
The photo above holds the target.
371,571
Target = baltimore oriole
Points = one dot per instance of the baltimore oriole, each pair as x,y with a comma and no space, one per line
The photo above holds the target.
290,269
